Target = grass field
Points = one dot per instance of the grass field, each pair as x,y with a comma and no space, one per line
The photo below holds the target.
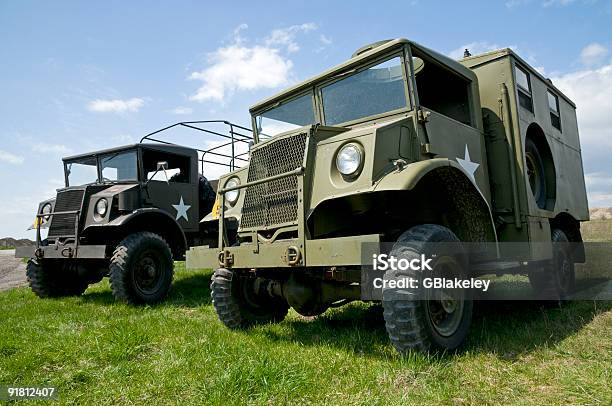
597,230
97,351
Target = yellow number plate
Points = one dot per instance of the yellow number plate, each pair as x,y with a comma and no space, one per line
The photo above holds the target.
215,209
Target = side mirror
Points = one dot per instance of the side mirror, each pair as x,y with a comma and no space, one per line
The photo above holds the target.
163,166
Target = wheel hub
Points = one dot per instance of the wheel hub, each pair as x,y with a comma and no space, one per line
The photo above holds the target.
449,305
146,273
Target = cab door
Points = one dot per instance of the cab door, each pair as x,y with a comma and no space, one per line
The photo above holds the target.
172,188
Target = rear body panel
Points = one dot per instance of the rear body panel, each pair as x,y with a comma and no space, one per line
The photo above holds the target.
507,124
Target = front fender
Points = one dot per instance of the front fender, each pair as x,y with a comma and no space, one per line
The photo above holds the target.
411,174
148,219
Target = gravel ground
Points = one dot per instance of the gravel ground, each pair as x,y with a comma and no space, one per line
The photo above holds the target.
12,270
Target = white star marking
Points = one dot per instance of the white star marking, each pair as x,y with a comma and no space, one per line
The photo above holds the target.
467,164
181,209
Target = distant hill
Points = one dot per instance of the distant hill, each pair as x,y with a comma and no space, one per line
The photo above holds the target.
11,242
601,213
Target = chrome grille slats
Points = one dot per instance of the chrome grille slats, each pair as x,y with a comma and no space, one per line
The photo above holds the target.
62,225
276,202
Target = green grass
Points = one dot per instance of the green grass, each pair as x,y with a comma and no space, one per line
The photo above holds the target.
597,230
99,352
6,247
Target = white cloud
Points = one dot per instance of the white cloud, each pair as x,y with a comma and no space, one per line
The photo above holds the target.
325,39
548,3
240,66
591,90
541,70
475,48
122,139
10,158
116,105
516,3
43,148
600,200
598,179
593,54
180,110
286,36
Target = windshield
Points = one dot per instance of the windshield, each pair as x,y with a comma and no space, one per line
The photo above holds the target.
286,116
376,90
82,171
119,166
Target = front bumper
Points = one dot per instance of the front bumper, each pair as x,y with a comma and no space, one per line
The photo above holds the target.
343,251
62,252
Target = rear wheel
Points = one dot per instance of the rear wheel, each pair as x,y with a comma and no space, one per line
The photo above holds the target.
141,269
419,319
54,279
239,303
557,280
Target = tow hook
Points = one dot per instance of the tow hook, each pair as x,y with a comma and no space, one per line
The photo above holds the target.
293,255
226,258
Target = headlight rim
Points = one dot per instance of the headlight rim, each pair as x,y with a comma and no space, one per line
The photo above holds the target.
97,212
42,211
361,153
236,193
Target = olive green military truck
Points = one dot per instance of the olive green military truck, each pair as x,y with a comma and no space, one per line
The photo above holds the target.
399,145
129,212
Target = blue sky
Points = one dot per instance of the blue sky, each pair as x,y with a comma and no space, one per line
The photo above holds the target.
79,76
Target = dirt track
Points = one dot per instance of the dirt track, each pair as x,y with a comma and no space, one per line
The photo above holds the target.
12,270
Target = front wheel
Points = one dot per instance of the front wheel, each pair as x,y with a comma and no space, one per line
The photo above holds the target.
419,319
141,269
240,304
54,278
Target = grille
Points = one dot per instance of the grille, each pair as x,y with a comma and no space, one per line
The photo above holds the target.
275,202
62,225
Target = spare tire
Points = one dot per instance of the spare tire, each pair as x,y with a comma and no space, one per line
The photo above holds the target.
207,196
536,174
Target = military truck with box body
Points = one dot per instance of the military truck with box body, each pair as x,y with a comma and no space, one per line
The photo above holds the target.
128,213
399,144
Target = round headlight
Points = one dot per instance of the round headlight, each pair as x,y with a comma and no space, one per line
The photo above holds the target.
232,196
348,160
101,207
46,209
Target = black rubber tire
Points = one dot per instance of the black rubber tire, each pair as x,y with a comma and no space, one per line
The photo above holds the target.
556,282
233,308
125,268
53,280
408,321
207,196
538,190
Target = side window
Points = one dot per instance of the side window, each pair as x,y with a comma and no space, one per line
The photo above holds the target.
524,88
553,106
178,168
442,90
